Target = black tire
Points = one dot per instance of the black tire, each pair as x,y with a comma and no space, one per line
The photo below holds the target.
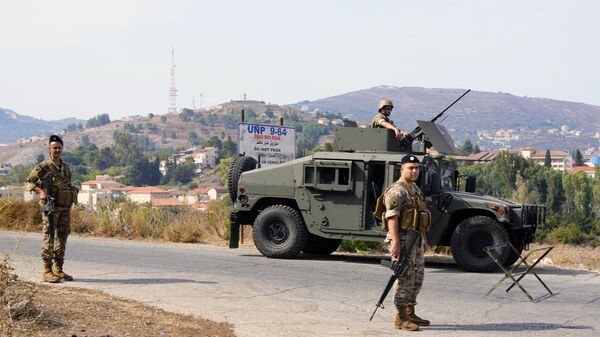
238,166
471,236
321,246
512,256
279,232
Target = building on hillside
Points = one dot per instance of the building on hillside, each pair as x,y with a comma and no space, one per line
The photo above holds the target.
94,193
559,160
588,170
337,122
217,193
205,157
11,192
196,195
480,157
323,121
166,203
5,170
147,194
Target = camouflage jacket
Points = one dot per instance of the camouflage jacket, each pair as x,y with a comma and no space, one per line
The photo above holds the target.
380,118
396,198
43,169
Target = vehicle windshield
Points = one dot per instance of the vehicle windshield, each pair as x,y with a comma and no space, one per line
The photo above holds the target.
447,176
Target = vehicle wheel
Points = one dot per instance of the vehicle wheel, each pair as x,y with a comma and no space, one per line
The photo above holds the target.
320,245
239,165
471,236
512,256
279,232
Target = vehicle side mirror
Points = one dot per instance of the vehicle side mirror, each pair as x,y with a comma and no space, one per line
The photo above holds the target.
471,184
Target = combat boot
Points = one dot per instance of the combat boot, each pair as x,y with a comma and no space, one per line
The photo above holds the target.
402,322
412,316
58,271
48,275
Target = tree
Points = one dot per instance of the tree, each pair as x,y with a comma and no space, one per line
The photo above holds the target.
578,194
184,173
222,170
97,121
143,172
163,119
548,159
578,158
193,137
596,192
467,148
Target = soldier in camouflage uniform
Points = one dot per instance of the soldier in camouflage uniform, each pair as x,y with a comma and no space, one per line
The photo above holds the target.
55,173
382,119
404,202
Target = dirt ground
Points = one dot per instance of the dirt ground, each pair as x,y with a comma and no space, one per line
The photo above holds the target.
72,312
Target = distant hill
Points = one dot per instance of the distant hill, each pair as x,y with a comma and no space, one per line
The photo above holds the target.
483,117
170,131
14,126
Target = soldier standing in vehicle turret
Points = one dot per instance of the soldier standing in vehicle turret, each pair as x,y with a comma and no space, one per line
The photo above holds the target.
382,119
406,210
52,178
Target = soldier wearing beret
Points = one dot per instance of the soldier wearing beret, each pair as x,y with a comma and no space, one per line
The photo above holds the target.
382,119
52,180
406,209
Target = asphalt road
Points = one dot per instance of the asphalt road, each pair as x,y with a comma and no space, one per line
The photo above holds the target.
325,296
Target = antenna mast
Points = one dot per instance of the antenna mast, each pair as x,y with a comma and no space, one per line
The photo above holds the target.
172,89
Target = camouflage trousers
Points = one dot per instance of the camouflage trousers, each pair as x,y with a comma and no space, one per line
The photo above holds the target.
407,287
54,248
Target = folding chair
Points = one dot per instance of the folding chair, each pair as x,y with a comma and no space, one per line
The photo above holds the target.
517,277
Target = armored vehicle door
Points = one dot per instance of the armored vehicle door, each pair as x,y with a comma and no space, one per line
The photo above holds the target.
335,193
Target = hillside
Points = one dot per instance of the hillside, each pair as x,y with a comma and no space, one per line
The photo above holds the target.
491,120
14,126
170,131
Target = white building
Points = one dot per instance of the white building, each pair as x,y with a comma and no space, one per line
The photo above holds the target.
5,170
11,192
559,160
147,194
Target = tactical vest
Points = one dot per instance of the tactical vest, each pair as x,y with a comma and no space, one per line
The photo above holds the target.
63,192
417,218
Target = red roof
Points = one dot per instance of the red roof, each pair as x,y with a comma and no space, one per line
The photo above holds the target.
95,182
585,169
148,190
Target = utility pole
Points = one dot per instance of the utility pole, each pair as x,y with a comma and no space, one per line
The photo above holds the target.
172,89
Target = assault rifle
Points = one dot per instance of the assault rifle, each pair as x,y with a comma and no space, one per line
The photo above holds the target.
48,206
417,132
398,267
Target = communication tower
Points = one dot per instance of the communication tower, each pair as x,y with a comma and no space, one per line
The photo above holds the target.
172,89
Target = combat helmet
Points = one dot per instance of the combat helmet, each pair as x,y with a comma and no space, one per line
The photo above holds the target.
385,102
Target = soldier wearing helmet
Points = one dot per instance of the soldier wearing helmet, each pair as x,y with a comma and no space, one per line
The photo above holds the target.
382,119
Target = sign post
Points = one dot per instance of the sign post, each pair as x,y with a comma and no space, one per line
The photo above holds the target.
272,144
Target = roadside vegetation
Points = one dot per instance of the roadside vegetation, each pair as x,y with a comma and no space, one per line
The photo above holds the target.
126,219
572,200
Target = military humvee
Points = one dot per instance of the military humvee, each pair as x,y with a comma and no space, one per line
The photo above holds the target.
311,204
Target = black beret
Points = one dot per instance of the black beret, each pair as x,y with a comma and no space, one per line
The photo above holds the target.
409,158
55,138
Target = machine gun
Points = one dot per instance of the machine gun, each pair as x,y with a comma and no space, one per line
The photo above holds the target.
48,207
398,267
418,132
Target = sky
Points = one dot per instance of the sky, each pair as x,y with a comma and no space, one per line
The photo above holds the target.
81,58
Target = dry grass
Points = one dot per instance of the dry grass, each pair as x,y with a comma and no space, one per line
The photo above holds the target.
129,220
16,299
569,256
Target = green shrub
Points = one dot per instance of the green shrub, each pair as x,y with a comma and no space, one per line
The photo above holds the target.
570,233
361,246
